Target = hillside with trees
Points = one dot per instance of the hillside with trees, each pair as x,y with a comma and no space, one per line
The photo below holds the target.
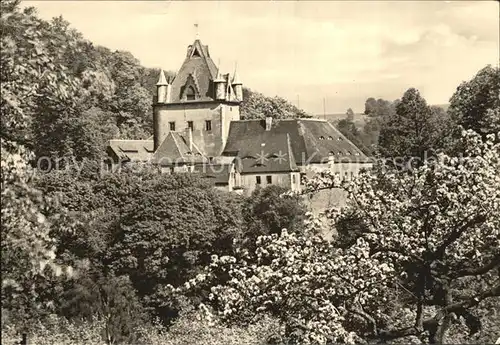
137,256
103,94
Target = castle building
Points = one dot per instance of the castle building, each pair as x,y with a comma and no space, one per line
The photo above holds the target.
198,129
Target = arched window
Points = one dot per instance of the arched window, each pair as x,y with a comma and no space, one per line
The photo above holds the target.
190,94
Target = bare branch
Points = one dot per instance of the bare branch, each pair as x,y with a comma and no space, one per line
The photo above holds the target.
494,263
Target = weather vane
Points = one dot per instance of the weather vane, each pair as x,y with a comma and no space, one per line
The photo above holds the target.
196,29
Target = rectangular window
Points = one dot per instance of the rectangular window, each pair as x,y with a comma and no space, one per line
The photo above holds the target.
208,125
190,125
172,126
269,179
257,179
294,181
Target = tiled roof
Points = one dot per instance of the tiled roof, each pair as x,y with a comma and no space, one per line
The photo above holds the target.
201,67
217,173
134,150
311,140
260,151
224,160
175,149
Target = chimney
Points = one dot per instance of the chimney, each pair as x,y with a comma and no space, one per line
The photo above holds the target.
269,122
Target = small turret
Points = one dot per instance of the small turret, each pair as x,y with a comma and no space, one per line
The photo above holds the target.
229,90
237,86
168,96
220,86
162,88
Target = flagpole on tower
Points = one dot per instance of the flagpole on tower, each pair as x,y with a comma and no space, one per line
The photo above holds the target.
196,30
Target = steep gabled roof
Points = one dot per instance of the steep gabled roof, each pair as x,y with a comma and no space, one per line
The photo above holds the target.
175,149
200,65
133,150
310,140
262,151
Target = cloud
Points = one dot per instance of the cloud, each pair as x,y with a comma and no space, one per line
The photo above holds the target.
344,51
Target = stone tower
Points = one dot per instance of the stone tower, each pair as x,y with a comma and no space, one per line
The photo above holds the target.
199,100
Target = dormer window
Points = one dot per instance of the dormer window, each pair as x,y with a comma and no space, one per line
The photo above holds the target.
330,138
190,94
321,138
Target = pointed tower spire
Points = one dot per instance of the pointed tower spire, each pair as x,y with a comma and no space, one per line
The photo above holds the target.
162,80
218,78
237,84
236,77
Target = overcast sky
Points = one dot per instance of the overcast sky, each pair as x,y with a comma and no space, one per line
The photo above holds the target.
343,51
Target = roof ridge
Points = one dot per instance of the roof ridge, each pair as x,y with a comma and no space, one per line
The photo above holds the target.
206,57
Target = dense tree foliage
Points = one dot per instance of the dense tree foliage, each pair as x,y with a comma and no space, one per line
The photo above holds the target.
169,230
73,96
349,129
28,249
380,107
257,106
476,105
366,136
159,229
266,212
414,130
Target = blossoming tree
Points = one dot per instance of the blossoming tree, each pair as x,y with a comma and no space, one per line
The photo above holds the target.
427,255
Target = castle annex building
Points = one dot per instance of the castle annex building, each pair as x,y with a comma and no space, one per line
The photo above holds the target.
198,129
